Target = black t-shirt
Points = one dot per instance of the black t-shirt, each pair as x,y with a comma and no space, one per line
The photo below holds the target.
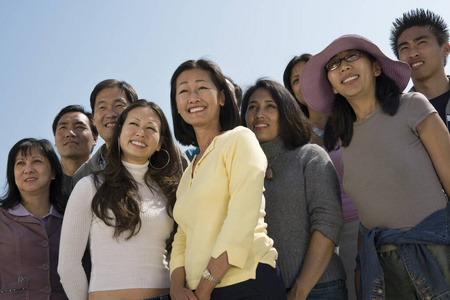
440,103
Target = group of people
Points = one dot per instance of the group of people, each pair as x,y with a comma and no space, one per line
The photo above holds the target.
333,186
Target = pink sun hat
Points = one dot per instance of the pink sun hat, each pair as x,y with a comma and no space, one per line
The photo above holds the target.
316,88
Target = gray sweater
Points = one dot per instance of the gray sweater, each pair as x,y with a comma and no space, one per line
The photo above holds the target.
302,196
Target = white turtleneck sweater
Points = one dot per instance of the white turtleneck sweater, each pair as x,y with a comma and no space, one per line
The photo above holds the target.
117,263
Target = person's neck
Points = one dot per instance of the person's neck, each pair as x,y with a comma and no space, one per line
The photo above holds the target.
38,205
70,165
364,107
317,118
433,86
205,135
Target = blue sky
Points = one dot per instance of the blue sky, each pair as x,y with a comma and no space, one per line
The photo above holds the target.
54,52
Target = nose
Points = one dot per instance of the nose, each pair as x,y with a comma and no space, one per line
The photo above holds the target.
113,113
28,169
414,52
194,97
259,113
139,131
70,133
345,65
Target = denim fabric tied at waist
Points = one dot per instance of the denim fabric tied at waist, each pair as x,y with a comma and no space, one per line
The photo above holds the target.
418,262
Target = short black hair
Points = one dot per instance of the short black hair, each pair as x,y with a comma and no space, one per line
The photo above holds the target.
294,125
74,108
229,112
422,18
129,91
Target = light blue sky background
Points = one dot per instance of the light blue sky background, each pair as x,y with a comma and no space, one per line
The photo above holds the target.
53,52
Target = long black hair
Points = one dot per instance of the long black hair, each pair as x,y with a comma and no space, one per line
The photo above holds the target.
117,191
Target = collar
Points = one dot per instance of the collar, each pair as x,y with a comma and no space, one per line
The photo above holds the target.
101,160
20,211
137,171
274,147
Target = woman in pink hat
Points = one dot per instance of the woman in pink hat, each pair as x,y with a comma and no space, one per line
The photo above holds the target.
395,170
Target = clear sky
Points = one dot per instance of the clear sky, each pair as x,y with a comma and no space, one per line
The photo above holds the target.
53,52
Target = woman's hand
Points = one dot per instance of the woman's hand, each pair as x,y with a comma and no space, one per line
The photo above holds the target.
177,286
296,293
182,293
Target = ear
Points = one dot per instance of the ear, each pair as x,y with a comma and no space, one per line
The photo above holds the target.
95,141
222,98
446,49
335,91
376,69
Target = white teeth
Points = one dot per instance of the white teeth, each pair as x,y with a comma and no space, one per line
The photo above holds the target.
417,64
261,125
138,143
350,79
110,125
196,109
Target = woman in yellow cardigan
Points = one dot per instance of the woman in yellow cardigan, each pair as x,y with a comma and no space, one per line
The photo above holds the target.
221,249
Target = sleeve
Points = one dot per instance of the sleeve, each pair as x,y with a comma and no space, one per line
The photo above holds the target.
323,194
177,258
245,164
74,237
418,109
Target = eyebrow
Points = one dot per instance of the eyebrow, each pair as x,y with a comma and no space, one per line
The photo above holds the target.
198,80
76,123
267,100
149,122
422,37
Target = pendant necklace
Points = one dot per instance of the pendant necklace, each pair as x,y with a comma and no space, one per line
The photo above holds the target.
269,172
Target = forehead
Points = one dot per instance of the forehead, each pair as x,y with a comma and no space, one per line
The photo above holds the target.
298,68
74,117
144,114
415,32
341,54
111,95
30,152
193,75
261,94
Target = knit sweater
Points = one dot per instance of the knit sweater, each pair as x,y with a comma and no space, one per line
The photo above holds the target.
117,263
303,196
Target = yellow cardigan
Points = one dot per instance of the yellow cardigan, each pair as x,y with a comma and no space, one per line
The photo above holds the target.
222,209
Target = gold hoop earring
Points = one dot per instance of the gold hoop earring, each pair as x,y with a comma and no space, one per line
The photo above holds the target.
160,168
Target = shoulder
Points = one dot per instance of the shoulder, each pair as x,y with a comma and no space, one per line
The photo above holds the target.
415,99
85,184
237,133
88,167
238,138
310,151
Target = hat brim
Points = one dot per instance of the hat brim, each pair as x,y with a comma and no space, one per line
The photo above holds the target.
316,88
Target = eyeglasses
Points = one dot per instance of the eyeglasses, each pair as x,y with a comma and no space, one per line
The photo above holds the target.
349,57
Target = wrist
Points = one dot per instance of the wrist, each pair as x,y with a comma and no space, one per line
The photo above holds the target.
208,276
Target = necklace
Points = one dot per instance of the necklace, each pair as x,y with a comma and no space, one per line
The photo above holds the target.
269,172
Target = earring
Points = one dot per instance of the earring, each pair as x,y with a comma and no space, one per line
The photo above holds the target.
160,168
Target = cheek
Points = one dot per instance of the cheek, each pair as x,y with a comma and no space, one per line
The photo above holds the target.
249,117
